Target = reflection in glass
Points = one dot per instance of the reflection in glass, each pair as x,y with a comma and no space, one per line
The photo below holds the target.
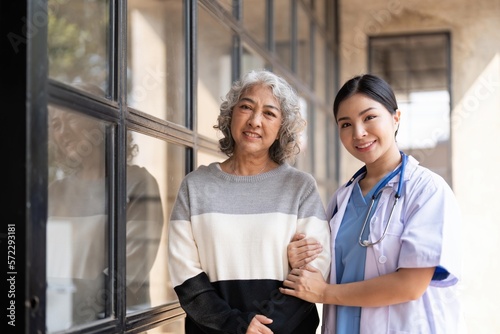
162,165
77,226
214,70
156,58
145,222
78,41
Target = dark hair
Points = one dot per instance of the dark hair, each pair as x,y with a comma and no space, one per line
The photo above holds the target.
370,85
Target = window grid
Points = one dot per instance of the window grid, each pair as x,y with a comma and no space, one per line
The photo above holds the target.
114,109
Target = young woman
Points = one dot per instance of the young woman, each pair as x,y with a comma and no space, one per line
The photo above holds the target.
232,221
394,231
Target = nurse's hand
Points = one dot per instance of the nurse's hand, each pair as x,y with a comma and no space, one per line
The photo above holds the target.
307,284
258,325
302,251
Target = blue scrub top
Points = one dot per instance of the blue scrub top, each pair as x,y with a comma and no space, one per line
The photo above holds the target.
350,256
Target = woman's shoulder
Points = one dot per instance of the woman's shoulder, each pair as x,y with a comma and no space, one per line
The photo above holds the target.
424,177
293,173
203,170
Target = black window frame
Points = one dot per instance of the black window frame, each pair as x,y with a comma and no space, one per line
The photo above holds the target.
31,92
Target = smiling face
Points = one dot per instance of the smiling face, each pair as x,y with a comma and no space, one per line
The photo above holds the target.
256,121
79,140
367,129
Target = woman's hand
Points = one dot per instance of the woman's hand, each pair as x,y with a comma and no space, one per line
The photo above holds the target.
307,284
402,286
258,325
302,251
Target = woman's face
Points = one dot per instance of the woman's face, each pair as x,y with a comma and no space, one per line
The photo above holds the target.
76,136
256,121
366,128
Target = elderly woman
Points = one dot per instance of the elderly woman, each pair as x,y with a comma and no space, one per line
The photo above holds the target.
232,221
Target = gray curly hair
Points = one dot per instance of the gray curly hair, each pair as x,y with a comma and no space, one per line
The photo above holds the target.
286,148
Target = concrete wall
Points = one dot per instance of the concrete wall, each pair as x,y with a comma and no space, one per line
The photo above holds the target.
475,123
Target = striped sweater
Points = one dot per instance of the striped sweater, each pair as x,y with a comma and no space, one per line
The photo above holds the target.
228,238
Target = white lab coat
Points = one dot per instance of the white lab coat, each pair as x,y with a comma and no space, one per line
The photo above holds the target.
424,232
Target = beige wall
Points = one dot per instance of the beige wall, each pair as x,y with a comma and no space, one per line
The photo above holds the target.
475,123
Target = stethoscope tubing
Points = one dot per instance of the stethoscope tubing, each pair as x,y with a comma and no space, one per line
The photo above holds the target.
400,170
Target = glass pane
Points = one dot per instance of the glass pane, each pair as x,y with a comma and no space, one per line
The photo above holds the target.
426,118
156,59
426,56
320,69
331,84
303,46
78,39
320,148
428,60
175,326
226,4
77,226
206,158
251,60
320,9
332,139
417,69
254,19
425,129
154,171
282,31
214,70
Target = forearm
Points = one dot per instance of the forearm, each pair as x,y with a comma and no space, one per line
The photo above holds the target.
394,288
314,226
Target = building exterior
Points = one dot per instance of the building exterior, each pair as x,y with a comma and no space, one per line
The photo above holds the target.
138,84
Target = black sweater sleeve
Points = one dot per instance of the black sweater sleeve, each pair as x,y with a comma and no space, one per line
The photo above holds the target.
202,303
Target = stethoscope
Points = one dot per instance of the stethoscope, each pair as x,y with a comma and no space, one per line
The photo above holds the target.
376,195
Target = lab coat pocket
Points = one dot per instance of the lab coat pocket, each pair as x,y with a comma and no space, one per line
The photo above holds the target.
379,225
386,252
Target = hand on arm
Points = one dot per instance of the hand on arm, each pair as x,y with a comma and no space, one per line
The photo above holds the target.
306,283
258,325
302,250
404,285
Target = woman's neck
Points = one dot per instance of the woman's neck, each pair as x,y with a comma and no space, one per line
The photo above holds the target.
376,170
243,166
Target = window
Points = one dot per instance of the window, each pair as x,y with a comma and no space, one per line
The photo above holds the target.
214,69
156,60
418,69
133,94
79,33
77,225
